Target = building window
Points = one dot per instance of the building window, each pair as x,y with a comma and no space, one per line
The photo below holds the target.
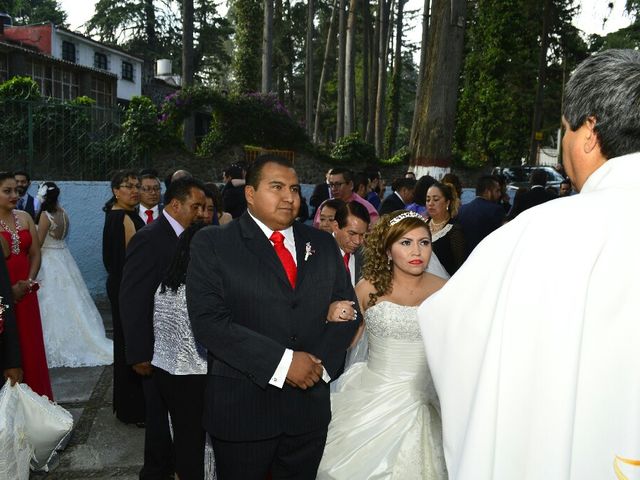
68,52
102,92
127,71
55,82
100,61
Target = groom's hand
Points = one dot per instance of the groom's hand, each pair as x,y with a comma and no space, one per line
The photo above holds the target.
144,368
305,370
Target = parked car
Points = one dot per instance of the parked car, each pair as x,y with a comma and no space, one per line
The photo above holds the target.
519,176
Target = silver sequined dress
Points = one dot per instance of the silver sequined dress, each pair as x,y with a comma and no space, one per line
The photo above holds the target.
385,422
175,349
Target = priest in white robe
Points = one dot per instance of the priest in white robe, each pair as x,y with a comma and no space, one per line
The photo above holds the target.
534,344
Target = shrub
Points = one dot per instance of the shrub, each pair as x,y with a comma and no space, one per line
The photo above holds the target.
402,155
19,88
352,150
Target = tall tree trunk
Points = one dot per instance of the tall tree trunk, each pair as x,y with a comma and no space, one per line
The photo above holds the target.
279,65
391,132
325,66
152,40
290,56
342,50
542,75
423,62
366,51
308,74
373,75
267,46
187,67
385,8
350,71
433,140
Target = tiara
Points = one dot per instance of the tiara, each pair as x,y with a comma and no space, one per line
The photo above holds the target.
404,216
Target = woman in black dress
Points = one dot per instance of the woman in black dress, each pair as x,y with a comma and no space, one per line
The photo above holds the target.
446,235
121,223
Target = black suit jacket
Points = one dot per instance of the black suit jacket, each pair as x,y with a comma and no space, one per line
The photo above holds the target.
244,311
9,343
390,204
478,219
529,199
149,254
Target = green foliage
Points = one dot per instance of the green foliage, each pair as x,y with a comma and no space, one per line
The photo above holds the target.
19,88
25,12
402,156
142,133
83,101
628,37
253,119
248,45
350,150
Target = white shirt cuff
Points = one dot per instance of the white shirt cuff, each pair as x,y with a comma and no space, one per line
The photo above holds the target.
280,375
325,376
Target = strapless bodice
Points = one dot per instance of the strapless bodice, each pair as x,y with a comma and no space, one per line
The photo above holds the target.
396,349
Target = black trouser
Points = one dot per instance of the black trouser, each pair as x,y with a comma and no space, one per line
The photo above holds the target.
286,456
184,397
158,447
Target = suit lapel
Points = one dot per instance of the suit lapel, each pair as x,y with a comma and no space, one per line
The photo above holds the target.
261,247
302,239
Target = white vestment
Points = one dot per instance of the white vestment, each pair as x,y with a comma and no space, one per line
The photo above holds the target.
534,344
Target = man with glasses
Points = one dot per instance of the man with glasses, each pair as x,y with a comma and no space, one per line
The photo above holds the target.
341,185
150,206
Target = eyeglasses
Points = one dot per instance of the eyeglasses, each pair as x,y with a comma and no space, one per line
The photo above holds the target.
150,189
336,184
130,186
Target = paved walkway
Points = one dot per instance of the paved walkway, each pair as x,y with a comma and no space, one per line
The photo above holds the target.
100,447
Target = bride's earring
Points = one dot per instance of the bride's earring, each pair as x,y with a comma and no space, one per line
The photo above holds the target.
389,263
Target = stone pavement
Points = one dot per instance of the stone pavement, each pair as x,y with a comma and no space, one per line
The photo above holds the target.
100,446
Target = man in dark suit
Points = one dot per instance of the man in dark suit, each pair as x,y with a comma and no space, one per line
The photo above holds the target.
482,215
26,202
10,360
233,191
150,206
536,195
351,223
148,256
321,192
403,192
260,291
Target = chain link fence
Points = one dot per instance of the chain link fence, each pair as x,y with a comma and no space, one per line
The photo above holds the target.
63,141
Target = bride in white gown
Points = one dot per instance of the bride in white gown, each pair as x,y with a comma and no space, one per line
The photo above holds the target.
72,327
385,413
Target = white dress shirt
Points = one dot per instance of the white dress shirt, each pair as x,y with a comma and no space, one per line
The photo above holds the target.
142,212
174,223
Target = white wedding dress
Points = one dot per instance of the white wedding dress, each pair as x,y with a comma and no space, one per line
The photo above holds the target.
385,420
72,327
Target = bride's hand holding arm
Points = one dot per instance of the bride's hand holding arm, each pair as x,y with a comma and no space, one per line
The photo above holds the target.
363,288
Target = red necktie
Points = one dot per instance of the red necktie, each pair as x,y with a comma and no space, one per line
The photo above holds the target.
149,214
346,262
285,257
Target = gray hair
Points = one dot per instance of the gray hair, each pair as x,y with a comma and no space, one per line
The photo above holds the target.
606,86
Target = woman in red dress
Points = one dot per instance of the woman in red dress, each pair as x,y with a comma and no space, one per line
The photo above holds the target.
23,264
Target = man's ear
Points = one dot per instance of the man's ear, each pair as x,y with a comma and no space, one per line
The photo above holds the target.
249,193
591,137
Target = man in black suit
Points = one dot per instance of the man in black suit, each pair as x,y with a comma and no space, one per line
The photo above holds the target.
350,225
321,192
10,360
233,191
403,192
482,215
150,206
260,291
26,202
536,195
148,256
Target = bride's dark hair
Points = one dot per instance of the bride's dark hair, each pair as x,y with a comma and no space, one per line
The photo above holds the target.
177,272
377,269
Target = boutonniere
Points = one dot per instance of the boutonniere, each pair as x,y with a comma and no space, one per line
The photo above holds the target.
308,251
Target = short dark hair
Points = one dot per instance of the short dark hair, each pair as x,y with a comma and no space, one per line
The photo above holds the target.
345,172
254,172
334,203
212,191
148,173
351,208
404,182
23,173
149,176
420,192
485,182
6,175
233,171
538,177
566,181
360,179
180,189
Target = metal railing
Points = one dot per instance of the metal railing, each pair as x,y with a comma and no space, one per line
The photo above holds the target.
50,139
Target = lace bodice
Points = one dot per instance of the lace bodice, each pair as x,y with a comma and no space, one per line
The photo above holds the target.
58,229
388,319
